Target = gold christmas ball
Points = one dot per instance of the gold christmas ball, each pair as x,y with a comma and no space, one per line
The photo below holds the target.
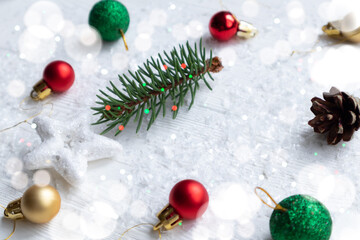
347,28
40,204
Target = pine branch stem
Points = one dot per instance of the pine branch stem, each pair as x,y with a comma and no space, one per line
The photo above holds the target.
148,88
213,67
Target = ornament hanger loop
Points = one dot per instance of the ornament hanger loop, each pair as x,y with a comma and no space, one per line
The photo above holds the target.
14,227
28,119
222,5
34,96
13,231
277,206
316,50
22,102
138,225
124,39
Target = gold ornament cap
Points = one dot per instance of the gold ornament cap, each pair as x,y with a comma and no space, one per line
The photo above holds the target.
346,29
168,218
40,90
38,205
246,30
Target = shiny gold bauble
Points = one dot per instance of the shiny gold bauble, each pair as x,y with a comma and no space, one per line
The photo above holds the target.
40,204
346,29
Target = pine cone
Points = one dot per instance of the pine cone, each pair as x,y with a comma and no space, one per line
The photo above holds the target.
339,114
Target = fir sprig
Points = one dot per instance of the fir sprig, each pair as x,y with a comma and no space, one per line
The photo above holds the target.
146,90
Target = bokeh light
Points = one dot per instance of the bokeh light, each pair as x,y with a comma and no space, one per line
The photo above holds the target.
68,29
268,55
309,178
41,178
337,192
250,8
158,17
295,12
294,37
138,209
89,67
15,88
98,220
200,232
119,61
309,35
118,191
19,180
233,201
246,230
145,27
172,6
85,40
13,165
143,42
346,226
44,13
36,44
337,67
228,56
69,222
283,49
88,37
195,29
179,32
225,231
337,9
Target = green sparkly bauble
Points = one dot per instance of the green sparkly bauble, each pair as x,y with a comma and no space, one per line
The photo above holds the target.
305,219
109,17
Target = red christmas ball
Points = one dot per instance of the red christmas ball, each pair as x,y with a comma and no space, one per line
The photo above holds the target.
59,76
223,25
189,198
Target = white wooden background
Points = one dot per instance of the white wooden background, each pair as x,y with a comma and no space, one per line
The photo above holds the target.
251,130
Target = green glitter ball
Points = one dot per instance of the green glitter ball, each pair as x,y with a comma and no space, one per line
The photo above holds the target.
109,17
305,219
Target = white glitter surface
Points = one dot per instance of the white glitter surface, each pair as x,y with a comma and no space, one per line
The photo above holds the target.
251,130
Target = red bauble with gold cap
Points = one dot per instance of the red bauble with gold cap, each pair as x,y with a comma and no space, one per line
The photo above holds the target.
188,200
224,25
58,76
